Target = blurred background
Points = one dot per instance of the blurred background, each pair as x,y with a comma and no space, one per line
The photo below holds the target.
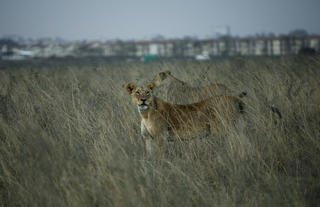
70,135
147,30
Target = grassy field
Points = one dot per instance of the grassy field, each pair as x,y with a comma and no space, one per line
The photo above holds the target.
70,136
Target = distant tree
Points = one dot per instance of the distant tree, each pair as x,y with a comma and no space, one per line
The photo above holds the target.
298,33
179,48
8,42
190,37
307,51
261,34
158,37
271,34
129,49
228,41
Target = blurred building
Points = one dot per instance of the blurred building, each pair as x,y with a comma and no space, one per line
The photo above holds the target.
227,46
224,46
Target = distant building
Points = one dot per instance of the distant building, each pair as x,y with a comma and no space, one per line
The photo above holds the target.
161,48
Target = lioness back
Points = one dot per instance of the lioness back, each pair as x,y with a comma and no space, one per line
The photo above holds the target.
200,115
178,91
182,94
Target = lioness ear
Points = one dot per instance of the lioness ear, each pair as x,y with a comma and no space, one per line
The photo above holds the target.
151,85
163,75
130,87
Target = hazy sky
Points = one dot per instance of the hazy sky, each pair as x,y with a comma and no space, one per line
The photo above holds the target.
126,19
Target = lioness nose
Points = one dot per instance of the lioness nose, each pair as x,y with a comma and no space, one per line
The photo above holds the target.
143,99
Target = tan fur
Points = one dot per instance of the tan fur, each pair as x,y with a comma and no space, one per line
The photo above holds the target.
161,120
180,92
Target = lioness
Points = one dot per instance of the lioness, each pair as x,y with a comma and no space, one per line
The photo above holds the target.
182,93
161,120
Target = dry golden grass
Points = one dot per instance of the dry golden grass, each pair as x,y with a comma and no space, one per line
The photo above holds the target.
70,136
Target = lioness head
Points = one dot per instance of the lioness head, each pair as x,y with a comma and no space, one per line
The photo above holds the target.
141,96
161,77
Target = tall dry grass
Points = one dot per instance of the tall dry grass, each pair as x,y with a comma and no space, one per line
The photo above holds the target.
70,136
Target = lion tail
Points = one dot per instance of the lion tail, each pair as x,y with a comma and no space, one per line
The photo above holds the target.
242,94
276,111
241,104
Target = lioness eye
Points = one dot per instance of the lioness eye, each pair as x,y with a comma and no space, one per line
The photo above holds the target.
137,93
148,93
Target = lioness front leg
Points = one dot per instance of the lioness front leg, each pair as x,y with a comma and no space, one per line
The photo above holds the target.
160,134
147,138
